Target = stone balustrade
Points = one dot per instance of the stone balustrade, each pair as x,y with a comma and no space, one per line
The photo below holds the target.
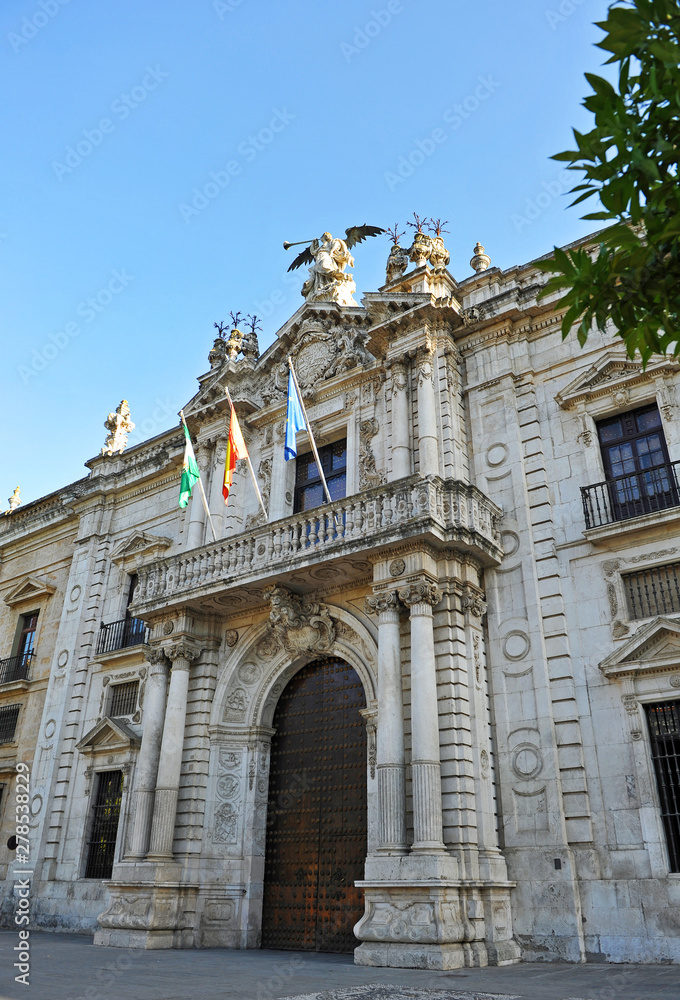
443,512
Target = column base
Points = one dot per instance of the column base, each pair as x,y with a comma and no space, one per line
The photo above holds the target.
149,907
411,956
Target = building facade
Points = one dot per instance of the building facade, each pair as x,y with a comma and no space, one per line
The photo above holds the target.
436,721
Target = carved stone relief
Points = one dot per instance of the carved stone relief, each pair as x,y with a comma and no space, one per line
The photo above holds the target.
296,626
368,474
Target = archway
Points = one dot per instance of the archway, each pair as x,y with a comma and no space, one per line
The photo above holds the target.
316,813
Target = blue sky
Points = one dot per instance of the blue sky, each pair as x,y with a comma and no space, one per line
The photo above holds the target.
156,155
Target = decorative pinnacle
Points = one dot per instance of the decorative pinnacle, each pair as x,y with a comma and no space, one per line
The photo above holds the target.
418,222
395,235
481,260
14,501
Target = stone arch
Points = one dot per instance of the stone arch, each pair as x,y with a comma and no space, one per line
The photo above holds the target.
254,676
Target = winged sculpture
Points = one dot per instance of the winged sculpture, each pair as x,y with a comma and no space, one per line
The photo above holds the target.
328,258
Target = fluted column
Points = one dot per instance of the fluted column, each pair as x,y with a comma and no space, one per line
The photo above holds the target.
401,429
425,762
428,440
390,735
149,752
216,503
196,509
170,765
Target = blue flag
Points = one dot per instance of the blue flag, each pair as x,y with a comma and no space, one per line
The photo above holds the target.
295,420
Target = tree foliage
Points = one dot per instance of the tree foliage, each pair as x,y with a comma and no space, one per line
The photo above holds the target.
630,160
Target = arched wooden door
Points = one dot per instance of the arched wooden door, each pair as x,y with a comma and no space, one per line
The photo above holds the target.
316,815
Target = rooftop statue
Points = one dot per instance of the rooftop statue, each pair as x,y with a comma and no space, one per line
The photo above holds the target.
118,425
329,257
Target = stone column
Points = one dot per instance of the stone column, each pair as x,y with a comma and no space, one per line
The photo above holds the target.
149,752
216,502
390,735
196,510
425,762
401,429
428,441
170,765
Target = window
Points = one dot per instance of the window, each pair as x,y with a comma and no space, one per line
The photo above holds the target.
655,591
123,699
309,491
132,586
106,809
636,463
8,722
664,731
29,625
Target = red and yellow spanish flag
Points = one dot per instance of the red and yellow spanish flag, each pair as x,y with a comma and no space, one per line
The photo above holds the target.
236,448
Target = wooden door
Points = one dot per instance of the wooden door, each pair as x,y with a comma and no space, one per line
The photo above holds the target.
316,816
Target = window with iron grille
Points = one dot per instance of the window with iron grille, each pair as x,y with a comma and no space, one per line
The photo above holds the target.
8,722
123,699
655,591
664,731
102,845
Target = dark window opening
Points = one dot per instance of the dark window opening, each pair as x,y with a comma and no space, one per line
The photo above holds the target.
29,625
106,809
9,715
636,463
309,492
654,591
133,578
123,699
664,731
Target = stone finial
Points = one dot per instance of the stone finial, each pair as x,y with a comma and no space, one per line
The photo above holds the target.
14,501
481,260
118,425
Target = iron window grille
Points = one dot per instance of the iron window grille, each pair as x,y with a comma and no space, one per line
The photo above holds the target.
123,699
106,809
664,730
654,591
121,634
9,715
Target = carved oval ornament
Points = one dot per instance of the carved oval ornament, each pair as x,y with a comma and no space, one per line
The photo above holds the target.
231,637
397,567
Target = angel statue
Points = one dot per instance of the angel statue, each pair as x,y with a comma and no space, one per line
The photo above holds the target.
329,257
118,425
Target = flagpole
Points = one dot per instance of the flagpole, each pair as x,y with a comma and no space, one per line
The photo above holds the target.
250,466
200,483
311,438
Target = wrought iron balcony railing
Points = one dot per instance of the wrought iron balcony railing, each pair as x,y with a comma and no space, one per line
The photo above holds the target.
629,496
444,512
120,635
15,668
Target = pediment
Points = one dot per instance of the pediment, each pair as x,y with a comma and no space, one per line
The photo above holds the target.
611,371
654,648
139,543
31,588
108,736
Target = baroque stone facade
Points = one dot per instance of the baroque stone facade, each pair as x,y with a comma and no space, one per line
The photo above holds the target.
487,607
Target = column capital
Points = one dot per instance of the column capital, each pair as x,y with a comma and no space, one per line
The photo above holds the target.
183,650
383,603
421,592
156,656
473,606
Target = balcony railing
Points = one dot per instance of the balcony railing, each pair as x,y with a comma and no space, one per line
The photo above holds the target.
120,635
15,668
630,496
444,512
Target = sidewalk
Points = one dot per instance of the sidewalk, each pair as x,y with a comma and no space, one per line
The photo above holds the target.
69,967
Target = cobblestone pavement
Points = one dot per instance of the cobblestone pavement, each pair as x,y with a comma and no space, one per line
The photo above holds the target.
69,967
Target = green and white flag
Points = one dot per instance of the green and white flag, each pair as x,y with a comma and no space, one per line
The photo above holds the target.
190,471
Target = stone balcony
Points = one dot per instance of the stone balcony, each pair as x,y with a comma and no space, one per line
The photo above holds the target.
327,545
